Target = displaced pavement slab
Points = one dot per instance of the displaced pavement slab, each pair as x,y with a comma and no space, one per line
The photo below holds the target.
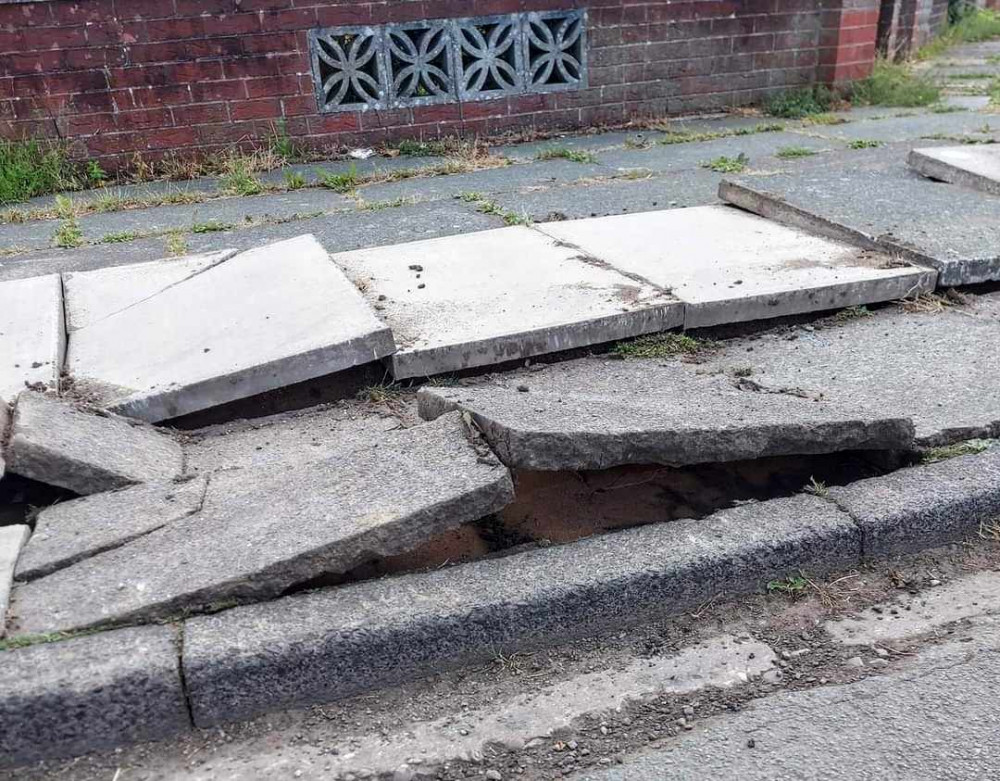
261,531
928,505
32,334
88,693
68,532
596,414
336,642
96,295
969,166
12,539
879,203
486,298
264,319
939,368
61,444
728,266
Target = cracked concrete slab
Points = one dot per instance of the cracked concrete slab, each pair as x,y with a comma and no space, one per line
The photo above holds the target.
68,532
261,531
32,334
12,540
596,414
728,266
540,298
968,166
261,320
61,444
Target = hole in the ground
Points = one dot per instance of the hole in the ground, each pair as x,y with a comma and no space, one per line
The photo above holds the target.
21,499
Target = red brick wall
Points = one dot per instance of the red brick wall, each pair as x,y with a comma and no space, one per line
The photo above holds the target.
149,76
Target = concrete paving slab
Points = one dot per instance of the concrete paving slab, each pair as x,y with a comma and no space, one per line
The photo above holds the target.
908,128
969,166
337,642
264,319
261,531
881,204
596,414
540,298
728,266
927,505
58,443
68,532
96,295
90,693
12,540
32,334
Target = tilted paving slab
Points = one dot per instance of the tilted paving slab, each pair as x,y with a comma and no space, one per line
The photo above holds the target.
486,298
728,266
32,333
90,693
969,166
264,319
337,642
12,540
926,505
942,369
261,531
596,414
61,444
879,203
68,532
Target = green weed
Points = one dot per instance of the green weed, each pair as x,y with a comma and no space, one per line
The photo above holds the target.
967,448
792,152
31,168
176,244
118,238
791,584
864,143
562,153
728,165
661,346
68,234
212,226
798,104
294,180
894,84
339,182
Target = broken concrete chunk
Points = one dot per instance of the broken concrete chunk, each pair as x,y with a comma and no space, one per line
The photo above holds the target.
595,414
32,334
485,298
90,693
264,319
12,539
68,532
926,505
61,444
261,531
968,166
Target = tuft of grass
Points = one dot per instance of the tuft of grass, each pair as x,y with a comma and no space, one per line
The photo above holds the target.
967,448
799,104
864,143
342,182
728,165
770,127
485,206
853,313
30,168
212,226
118,238
281,144
68,235
790,584
383,393
816,488
792,152
377,206
294,180
176,244
661,346
238,176
562,153
411,148
825,118
894,84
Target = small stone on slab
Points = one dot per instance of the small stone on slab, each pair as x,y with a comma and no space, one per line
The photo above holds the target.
61,444
969,166
486,298
728,266
596,414
32,334
264,319
12,539
68,532
261,531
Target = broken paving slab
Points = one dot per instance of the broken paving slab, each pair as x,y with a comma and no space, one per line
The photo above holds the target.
728,266
88,693
882,205
12,539
263,319
62,444
68,532
32,334
261,531
597,414
968,166
334,643
486,298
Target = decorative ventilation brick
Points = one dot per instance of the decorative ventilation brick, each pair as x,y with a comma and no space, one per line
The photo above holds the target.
448,60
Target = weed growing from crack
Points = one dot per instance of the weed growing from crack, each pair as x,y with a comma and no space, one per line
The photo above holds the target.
824,118
728,165
212,226
339,182
793,152
382,393
943,108
864,143
816,488
563,153
68,235
790,584
176,244
853,313
967,448
294,180
118,238
485,206
661,346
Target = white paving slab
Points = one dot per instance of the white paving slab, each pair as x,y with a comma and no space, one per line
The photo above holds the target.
32,333
730,266
485,298
95,295
263,319
969,166
12,539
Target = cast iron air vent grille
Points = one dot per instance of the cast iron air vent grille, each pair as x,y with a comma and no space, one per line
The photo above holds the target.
444,61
